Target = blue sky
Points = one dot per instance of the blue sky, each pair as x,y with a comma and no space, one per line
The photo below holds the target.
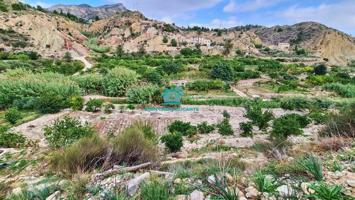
339,14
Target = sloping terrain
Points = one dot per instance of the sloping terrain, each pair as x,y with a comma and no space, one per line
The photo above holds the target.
87,12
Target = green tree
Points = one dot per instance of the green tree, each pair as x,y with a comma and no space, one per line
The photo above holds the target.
222,71
67,56
173,42
119,51
165,39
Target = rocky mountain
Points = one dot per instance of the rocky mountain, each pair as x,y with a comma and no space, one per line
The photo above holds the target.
53,34
88,12
320,40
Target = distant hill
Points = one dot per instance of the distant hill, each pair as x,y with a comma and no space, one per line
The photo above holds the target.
88,12
51,34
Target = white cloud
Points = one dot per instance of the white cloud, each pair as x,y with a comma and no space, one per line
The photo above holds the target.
339,15
249,5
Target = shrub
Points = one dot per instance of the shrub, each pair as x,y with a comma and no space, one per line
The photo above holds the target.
173,42
165,39
11,140
155,190
108,108
264,184
204,128
118,80
190,52
84,155
342,124
320,70
344,90
224,127
145,94
247,128
180,127
284,127
77,103
153,77
93,44
313,165
18,6
13,115
47,92
204,85
172,68
66,131
173,141
94,105
258,117
296,103
134,146
226,114
248,74
89,83
303,121
222,71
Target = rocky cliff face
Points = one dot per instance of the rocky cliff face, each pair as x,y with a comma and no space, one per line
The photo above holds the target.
87,12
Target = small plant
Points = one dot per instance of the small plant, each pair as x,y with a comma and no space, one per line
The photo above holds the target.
173,141
131,107
155,190
77,103
284,127
11,140
66,131
184,128
13,115
94,105
219,189
224,127
313,165
108,108
259,117
264,183
247,128
204,128
323,191
226,114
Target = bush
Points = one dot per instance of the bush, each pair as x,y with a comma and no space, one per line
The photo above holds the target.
11,140
13,115
296,103
344,90
77,103
180,127
165,39
84,155
226,114
247,128
108,108
145,94
258,117
190,52
118,80
320,70
94,105
222,71
204,128
89,83
153,77
46,92
65,132
224,127
248,74
342,124
284,127
155,190
173,141
18,6
205,85
219,189
134,146
303,121
173,42
172,68
313,165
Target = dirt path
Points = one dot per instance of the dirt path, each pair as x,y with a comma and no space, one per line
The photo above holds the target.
82,58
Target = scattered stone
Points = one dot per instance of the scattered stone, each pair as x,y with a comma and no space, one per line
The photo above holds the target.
177,181
211,179
351,183
305,188
181,197
54,196
229,178
133,184
285,190
197,195
251,192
